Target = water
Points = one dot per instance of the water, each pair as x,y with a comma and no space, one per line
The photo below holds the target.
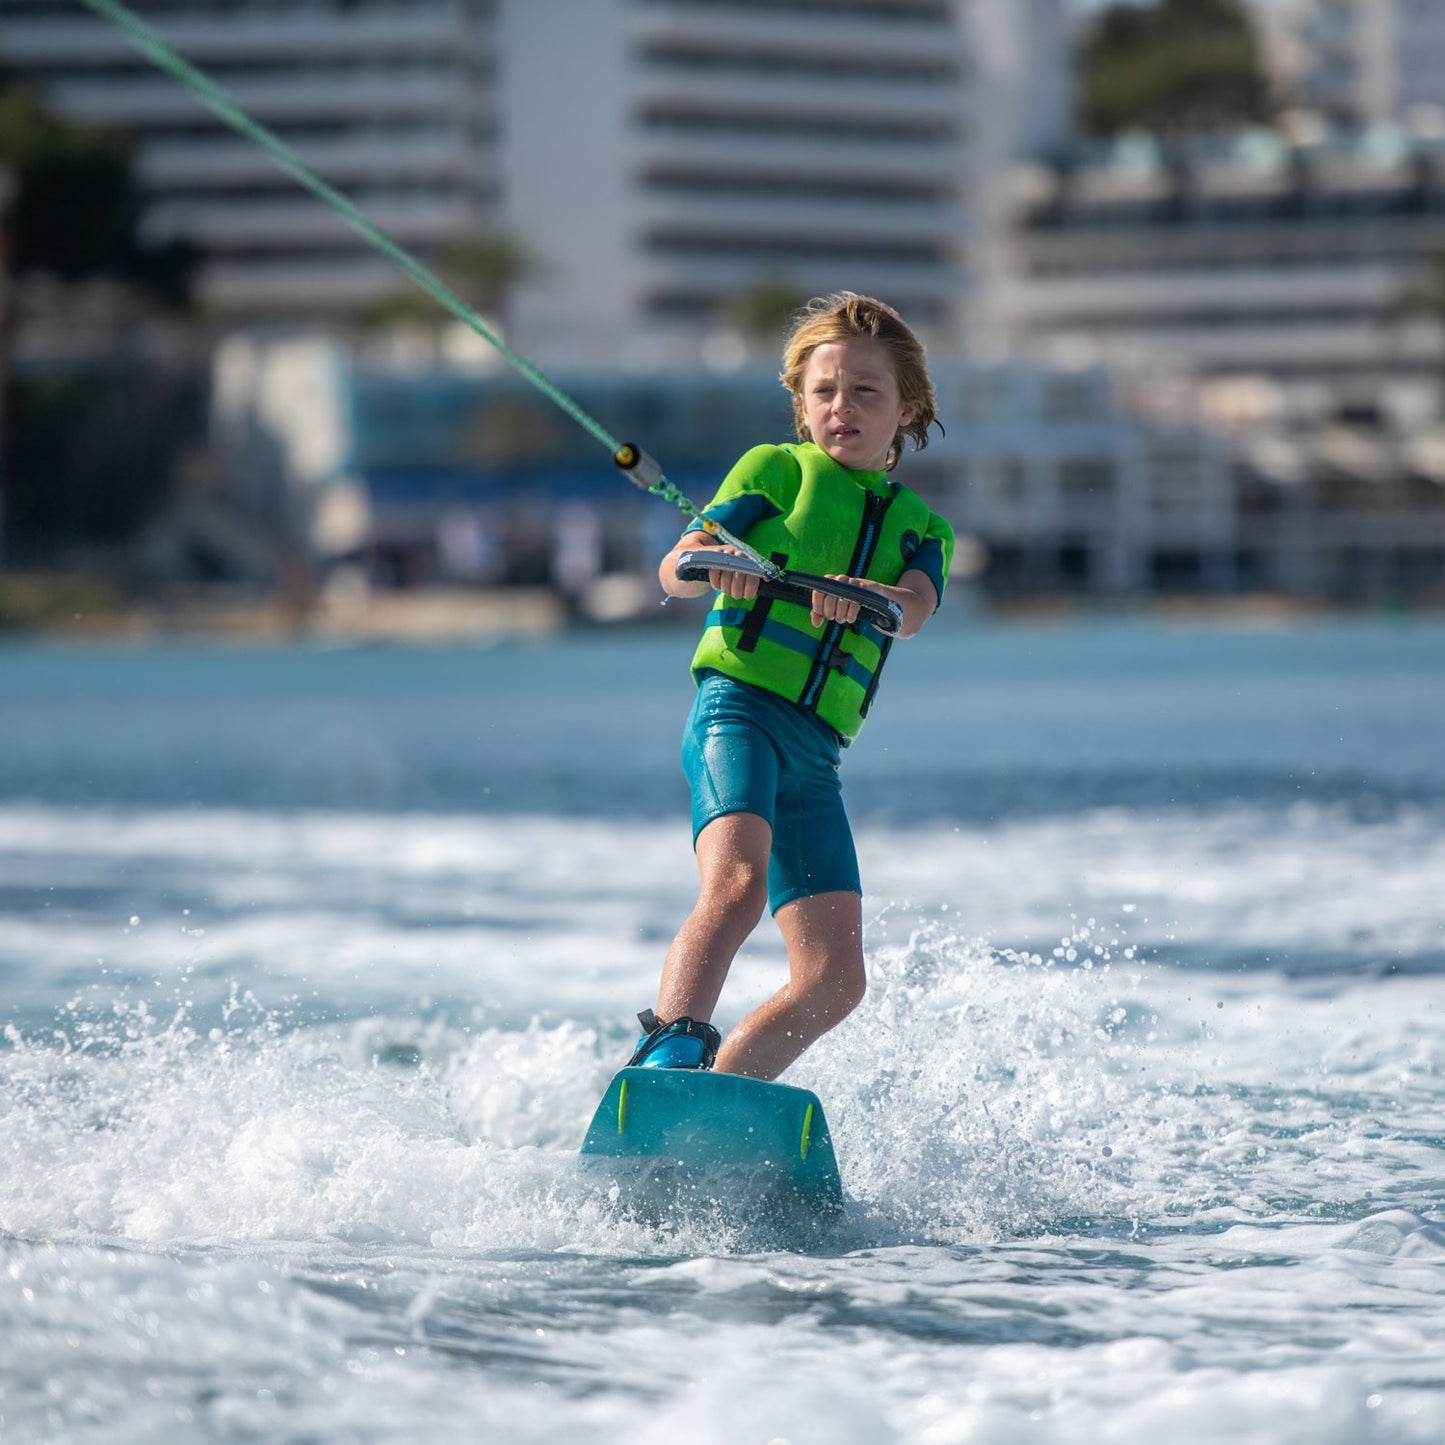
315,963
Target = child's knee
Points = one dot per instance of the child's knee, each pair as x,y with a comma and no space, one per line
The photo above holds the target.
851,990
741,886
835,995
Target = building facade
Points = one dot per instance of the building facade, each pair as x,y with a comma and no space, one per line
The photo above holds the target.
1060,482
660,160
1300,259
673,154
1281,296
1356,61
393,103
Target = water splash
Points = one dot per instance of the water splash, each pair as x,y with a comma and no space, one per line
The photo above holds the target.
976,1096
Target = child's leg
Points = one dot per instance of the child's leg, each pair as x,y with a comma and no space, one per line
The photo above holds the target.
824,934
732,862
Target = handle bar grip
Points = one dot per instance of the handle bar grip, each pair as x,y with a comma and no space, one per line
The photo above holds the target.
878,611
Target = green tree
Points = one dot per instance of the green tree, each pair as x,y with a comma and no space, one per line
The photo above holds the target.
1173,67
76,204
484,269
1422,298
70,211
763,310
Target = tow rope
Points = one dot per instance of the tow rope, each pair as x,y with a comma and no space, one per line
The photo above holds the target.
636,465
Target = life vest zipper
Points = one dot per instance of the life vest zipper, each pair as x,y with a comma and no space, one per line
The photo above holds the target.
868,533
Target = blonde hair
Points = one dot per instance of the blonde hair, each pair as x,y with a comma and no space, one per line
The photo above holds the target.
840,317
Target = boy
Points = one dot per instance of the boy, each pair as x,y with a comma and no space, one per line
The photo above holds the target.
783,686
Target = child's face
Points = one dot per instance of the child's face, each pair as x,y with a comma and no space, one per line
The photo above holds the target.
851,402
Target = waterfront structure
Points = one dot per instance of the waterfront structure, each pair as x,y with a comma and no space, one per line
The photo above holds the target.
1356,61
705,147
1061,481
1299,257
1281,294
1080,481
393,103
658,159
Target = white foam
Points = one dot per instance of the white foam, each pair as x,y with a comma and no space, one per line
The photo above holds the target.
1091,1198
570,918
972,1097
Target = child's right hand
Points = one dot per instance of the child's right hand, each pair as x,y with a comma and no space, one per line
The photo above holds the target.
739,585
732,584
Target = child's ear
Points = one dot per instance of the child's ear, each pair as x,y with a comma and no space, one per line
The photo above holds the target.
907,414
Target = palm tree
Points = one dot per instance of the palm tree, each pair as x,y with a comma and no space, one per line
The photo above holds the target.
1422,298
762,311
483,268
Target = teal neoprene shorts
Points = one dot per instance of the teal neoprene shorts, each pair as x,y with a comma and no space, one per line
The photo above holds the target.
747,750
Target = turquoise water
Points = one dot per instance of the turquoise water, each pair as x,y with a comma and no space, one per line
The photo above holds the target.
315,963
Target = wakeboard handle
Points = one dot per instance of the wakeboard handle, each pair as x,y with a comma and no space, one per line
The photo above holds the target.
873,608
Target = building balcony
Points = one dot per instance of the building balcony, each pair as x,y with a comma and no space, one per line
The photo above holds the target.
261,34
214,164
839,219
291,287
301,224
152,100
936,107
681,282
1369,288
776,29
923,164
1302,347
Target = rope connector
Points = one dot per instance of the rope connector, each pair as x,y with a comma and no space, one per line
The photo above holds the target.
642,470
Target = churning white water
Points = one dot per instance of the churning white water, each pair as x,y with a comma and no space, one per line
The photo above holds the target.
315,966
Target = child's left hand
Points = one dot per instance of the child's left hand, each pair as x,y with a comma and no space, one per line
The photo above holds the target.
828,608
913,592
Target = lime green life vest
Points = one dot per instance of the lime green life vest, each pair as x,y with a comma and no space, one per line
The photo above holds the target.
856,523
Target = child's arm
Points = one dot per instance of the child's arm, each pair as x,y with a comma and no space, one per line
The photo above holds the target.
913,592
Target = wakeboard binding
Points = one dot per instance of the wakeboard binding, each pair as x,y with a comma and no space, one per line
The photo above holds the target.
682,1043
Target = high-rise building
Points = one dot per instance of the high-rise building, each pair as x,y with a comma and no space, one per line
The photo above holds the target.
1356,61
1306,258
393,103
657,158
667,155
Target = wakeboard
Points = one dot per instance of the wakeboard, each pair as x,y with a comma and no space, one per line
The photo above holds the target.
708,1130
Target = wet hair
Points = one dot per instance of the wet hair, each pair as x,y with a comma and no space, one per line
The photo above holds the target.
841,317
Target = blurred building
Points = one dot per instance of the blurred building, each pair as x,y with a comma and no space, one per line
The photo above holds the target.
1271,306
393,103
1057,488
1061,481
1079,481
1305,259
659,158
1356,61
668,156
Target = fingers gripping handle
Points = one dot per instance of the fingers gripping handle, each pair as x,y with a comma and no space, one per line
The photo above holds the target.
873,608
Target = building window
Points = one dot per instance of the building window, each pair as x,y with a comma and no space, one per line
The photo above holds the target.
998,480
1072,398
1086,478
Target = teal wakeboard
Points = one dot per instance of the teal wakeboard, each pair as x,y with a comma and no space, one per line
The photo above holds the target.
724,1130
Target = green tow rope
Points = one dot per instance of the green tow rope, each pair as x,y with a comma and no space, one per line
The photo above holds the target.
642,470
